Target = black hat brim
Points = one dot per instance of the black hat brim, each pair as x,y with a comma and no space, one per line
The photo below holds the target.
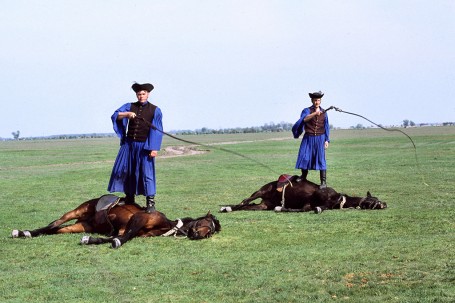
316,95
140,87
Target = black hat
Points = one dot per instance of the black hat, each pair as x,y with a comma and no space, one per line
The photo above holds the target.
138,87
316,95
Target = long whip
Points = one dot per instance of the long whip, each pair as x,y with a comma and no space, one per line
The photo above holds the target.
387,129
378,125
208,146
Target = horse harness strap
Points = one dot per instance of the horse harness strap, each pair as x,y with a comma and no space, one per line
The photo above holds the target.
103,207
211,227
360,203
174,230
283,193
343,201
282,183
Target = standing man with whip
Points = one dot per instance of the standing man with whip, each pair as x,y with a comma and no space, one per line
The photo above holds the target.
315,141
134,168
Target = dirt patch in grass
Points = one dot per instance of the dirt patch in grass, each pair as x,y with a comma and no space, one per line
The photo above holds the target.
177,151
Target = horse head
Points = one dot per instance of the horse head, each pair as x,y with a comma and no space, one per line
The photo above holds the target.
370,202
203,227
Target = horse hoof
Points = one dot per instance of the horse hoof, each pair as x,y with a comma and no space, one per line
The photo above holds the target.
27,234
225,209
116,243
85,240
15,234
318,210
278,208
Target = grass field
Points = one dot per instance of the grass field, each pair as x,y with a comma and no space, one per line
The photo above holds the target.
402,254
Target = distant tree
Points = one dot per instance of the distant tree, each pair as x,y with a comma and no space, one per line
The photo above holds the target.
16,135
406,123
411,123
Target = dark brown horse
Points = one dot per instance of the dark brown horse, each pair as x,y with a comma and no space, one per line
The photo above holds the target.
286,194
109,215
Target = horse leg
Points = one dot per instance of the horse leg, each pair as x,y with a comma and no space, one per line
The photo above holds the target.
116,241
89,240
33,233
288,210
55,226
78,227
50,229
320,209
261,193
306,208
253,197
140,224
261,206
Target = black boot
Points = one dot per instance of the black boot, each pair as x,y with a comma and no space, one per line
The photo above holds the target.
323,175
129,199
303,176
150,204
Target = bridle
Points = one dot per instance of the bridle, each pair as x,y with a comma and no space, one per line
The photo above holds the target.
210,226
194,226
173,231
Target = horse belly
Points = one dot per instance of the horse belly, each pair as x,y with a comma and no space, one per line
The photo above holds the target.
296,201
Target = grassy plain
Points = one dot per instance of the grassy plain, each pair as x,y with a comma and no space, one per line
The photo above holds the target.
402,254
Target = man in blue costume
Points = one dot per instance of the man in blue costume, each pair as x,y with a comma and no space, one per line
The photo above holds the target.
134,168
315,141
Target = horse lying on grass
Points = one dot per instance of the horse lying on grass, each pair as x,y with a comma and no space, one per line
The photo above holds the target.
110,216
288,195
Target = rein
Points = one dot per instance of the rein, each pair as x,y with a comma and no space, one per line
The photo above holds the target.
173,231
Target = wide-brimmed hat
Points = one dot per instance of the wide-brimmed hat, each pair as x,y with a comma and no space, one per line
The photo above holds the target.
316,95
139,87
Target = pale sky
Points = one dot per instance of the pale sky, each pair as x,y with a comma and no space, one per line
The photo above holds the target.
65,66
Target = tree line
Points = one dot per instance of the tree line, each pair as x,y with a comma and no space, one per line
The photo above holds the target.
267,127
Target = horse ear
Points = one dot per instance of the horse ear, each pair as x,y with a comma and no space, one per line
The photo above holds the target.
208,214
368,194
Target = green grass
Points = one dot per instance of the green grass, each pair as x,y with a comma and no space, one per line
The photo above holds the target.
402,254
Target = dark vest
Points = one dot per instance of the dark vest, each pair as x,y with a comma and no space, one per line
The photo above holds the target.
315,127
138,130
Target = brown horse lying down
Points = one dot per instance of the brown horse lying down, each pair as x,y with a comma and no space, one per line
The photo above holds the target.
109,215
286,194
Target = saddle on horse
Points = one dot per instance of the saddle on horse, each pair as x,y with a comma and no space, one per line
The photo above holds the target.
104,205
284,180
